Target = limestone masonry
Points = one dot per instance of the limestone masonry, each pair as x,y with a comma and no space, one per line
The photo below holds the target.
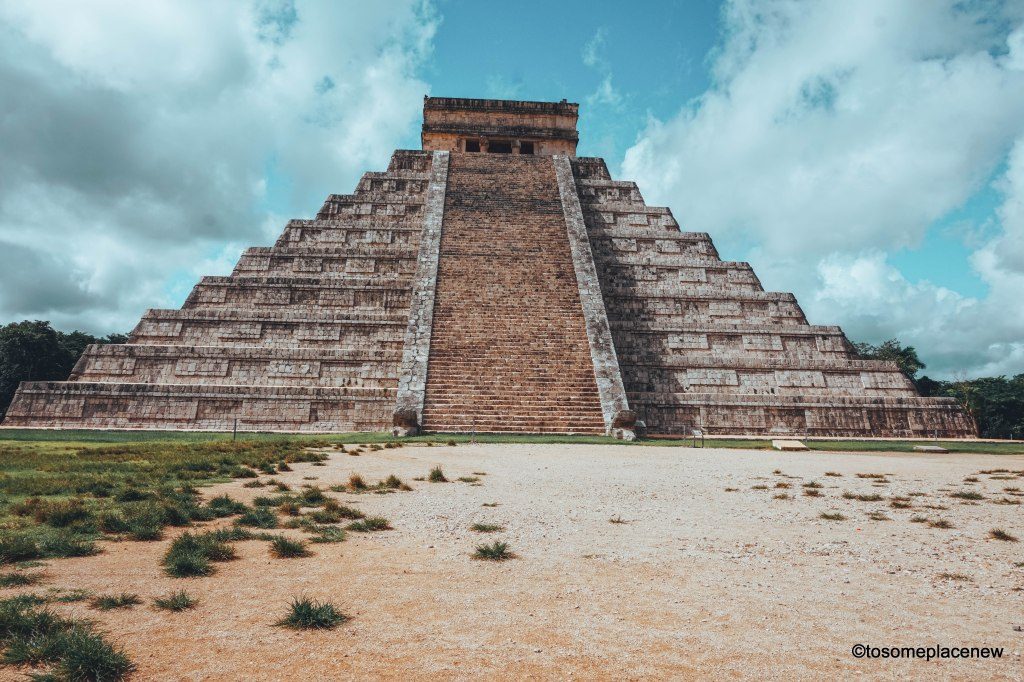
492,282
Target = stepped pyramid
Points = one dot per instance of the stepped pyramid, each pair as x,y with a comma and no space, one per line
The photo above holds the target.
491,282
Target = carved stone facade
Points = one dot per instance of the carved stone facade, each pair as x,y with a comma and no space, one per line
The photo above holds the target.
511,289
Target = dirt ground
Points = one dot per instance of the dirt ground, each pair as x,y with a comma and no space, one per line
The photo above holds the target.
698,581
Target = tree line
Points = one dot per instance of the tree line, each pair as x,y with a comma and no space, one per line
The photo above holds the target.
35,351
995,403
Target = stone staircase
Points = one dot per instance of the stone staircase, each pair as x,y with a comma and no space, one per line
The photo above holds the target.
509,350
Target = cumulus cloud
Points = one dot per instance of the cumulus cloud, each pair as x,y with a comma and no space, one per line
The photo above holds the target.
136,140
835,132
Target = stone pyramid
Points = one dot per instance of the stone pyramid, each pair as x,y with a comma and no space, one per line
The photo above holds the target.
492,282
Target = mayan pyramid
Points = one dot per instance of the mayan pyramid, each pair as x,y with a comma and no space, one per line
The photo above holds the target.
491,282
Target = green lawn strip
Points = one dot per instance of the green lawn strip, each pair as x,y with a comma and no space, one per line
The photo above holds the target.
59,442
57,498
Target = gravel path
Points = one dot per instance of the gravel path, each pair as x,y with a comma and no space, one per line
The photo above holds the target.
697,580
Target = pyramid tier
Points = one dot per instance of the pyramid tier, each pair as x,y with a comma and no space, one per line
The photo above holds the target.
239,366
84,405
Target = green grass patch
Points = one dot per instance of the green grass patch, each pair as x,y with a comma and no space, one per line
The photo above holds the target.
19,579
59,496
79,438
66,648
436,475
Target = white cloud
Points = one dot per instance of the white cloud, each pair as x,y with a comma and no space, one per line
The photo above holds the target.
593,56
837,131
136,140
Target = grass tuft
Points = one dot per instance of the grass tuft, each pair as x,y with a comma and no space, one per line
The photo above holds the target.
831,516
176,601
873,497
20,579
940,523
258,517
286,548
496,551
190,555
108,602
1000,534
967,495
369,525
436,475
309,614
494,528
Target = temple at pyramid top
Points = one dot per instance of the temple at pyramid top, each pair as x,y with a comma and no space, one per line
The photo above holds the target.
499,126
491,282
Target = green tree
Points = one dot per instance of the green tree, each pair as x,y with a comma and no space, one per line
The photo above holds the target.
892,350
35,351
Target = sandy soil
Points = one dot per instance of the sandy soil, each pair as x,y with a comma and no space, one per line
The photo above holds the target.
699,582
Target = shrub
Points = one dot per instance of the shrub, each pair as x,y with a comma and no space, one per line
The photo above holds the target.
356,482
309,614
437,476
176,601
496,551
285,548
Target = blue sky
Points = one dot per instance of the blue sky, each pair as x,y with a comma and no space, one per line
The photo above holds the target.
867,156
